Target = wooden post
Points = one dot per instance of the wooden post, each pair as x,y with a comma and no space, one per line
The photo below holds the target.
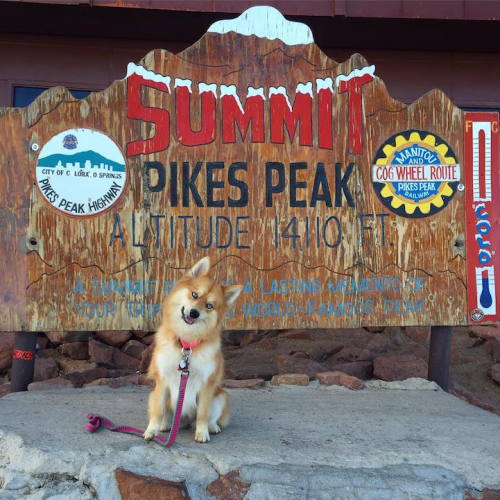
23,361
439,356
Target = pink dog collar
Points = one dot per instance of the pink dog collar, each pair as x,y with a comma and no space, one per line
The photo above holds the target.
187,345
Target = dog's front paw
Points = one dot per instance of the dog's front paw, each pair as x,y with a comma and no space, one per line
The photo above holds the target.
202,435
214,428
151,432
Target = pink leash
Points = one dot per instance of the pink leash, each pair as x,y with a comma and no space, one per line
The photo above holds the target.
96,421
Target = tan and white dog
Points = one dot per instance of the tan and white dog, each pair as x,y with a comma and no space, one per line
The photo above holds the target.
193,312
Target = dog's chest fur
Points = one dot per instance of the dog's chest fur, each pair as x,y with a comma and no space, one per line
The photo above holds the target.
201,366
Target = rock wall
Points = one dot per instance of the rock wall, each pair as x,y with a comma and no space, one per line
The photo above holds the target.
117,358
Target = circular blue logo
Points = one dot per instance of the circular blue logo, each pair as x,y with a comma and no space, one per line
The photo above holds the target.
70,141
416,155
415,173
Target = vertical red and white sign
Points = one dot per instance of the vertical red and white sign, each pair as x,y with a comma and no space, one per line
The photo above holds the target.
482,180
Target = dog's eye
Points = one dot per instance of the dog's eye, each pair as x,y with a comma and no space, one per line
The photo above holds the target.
210,306
195,295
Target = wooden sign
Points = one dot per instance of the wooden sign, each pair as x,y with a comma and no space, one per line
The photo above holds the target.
332,203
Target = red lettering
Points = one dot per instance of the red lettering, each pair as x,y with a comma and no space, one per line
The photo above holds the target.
282,115
24,355
325,119
384,173
137,111
353,87
417,173
232,115
185,134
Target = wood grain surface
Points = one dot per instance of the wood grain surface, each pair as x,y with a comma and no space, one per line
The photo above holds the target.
356,262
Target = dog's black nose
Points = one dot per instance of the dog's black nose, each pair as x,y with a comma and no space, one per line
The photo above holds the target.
194,313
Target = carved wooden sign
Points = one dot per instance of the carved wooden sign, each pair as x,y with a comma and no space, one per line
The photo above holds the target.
332,203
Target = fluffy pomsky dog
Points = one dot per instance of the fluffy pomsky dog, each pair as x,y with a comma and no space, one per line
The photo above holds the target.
193,311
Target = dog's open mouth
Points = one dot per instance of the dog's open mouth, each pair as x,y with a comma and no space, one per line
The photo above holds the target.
187,319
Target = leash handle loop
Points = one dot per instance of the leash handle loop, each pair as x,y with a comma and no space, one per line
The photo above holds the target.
96,421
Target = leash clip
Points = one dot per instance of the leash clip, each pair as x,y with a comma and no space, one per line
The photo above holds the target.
184,362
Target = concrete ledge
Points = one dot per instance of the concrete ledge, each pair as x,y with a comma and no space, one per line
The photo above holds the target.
288,442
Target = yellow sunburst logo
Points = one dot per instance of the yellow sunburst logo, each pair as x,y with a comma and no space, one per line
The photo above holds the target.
415,173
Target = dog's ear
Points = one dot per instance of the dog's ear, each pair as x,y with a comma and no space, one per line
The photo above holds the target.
200,268
231,293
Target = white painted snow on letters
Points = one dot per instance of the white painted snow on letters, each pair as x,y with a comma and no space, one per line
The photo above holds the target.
231,90
252,91
367,70
265,22
181,82
305,88
324,83
208,87
148,74
280,90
